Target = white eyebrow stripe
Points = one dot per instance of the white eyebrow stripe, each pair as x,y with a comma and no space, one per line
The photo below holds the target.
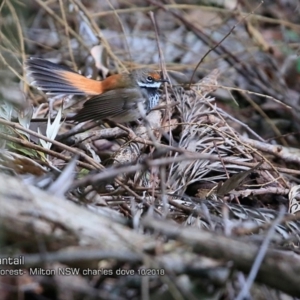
149,85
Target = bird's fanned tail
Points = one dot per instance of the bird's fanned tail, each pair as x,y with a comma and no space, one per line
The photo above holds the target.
56,79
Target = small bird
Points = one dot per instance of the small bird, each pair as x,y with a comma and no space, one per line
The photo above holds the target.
116,98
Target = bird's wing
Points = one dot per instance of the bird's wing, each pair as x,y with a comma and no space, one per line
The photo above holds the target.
120,105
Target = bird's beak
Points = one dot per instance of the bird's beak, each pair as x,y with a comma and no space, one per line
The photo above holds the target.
164,80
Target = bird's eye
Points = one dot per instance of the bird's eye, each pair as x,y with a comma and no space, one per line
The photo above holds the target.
150,78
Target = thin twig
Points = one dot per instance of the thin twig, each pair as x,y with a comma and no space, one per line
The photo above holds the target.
260,256
30,145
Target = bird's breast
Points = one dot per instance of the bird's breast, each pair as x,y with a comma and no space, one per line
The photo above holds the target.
151,98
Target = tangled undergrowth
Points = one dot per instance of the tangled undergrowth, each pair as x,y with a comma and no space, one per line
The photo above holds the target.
199,201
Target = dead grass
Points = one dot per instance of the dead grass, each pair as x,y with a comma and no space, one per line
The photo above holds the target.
196,199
